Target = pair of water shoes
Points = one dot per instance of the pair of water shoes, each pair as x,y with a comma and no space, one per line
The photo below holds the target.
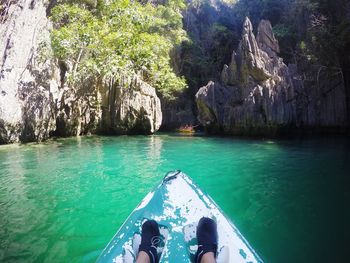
207,239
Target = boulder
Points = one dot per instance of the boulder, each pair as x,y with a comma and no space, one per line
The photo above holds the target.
78,109
210,100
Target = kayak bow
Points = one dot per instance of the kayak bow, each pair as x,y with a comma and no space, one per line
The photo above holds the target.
177,204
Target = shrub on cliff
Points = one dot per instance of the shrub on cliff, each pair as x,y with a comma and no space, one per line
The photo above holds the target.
120,37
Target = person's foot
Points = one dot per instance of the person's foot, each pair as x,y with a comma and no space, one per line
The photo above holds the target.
150,239
207,238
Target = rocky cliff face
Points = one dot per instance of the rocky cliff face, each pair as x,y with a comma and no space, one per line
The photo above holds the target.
258,93
209,26
130,105
28,82
117,105
320,98
35,100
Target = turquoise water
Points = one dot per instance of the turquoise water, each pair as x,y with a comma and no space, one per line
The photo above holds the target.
62,201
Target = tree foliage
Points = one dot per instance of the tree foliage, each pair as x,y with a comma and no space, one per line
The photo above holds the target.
313,30
136,37
120,37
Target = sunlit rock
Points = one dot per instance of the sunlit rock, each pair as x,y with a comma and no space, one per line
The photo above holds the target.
256,92
36,101
29,79
266,39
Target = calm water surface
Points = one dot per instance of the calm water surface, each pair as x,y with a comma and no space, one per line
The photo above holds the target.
62,201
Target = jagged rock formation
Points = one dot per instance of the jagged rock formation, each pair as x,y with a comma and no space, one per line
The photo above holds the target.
35,100
266,39
258,93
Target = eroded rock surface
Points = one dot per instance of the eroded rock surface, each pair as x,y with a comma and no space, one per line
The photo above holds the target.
255,90
319,96
123,105
35,100
28,79
266,39
131,106
258,93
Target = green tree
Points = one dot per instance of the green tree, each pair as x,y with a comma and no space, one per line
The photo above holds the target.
118,38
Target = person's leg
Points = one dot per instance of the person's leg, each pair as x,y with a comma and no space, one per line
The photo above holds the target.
207,238
208,257
149,242
142,257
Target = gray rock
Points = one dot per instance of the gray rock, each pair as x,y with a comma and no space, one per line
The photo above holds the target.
210,100
28,77
229,74
256,93
250,57
319,96
78,108
131,106
266,39
115,105
260,94
35,100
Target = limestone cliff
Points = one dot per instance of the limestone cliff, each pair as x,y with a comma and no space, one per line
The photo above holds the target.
116,105
35,99
28,82
258,93
320,98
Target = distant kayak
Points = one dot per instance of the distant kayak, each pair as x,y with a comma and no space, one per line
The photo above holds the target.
187,129
177,204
